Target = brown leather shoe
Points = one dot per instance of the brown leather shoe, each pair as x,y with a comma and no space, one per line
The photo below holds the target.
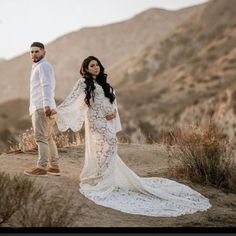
36,172
54,171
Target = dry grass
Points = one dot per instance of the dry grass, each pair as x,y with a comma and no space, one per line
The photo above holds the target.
62,139
69,138
56,211
24,203
202,154
27,141
15,193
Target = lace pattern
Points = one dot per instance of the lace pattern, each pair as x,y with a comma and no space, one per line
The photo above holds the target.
71,113
105,179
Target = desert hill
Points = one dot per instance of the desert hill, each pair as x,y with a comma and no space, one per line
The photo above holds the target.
178,76
113,44
188,78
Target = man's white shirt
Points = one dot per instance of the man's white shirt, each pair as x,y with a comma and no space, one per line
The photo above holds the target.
42,86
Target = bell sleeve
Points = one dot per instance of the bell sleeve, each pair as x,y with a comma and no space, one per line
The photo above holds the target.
72,111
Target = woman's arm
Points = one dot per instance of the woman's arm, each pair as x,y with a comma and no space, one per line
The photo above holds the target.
76,91
71,112
116,120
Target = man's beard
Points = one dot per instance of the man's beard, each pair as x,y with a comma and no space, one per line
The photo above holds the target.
38,59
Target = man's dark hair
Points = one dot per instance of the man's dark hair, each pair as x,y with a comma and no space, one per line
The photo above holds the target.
37,44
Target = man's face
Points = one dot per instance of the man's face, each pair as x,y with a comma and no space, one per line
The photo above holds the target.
37,54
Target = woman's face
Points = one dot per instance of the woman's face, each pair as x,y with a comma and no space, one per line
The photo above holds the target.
93,68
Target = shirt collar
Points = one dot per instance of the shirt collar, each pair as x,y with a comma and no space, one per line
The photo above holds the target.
35,64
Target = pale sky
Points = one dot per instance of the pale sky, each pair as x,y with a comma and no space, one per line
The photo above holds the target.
25,21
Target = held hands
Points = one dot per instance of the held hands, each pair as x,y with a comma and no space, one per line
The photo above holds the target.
111,116
49,112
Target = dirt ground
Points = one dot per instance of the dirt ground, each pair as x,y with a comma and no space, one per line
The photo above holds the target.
145,160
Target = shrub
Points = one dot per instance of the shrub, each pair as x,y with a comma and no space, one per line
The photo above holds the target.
15,192
211,57
215,77
24,203
27,141
202,154
232,60
57,210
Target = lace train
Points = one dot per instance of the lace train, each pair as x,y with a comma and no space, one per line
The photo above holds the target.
147,196
105,179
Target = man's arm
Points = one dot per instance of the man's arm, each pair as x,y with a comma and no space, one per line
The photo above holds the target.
46,79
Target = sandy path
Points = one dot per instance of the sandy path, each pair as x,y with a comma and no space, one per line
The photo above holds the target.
145,160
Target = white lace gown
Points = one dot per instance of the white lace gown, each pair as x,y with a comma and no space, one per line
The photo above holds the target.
105,179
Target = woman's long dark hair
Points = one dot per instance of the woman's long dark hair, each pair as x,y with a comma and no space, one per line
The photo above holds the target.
101,79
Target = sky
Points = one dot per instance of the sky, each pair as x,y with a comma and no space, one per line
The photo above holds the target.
25,21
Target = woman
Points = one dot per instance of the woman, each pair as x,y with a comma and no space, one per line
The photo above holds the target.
105,179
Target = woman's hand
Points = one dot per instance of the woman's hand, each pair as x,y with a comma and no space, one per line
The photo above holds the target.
50,113
111,116
47,111
53,113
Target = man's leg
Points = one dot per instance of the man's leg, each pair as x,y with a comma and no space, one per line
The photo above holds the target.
53,152
40,128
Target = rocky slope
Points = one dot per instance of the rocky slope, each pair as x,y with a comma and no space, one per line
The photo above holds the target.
188,78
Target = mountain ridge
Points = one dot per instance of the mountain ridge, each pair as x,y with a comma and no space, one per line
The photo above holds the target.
67,52
188,78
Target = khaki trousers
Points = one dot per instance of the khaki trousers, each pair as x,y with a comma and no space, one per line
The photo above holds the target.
47,149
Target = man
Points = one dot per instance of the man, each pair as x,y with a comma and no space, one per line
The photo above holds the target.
42,105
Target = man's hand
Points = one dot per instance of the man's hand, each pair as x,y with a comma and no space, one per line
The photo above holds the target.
111,116
47,111
53,113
